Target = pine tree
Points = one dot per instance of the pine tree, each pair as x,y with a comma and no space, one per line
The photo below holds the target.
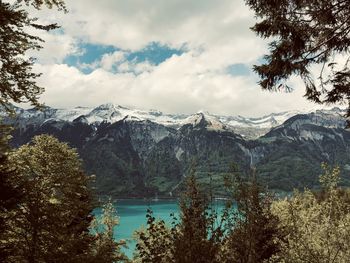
196,239
193,237
306,33
17,78
253,229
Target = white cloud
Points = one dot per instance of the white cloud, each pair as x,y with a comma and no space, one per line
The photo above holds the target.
216,34
135,67
108,60
171,87
55,48
132,24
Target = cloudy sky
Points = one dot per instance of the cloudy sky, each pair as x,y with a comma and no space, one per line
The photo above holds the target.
177,56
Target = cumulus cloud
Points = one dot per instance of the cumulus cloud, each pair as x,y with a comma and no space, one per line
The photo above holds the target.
135,67
56,48
109,60
216,35
133,24
171,87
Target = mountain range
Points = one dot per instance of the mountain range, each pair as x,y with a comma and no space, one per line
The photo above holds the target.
139,153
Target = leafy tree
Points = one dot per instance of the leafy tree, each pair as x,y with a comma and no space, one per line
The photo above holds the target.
17,84
10,194
253,229
106,249
155,243
317,228
51,222
17,80
306,33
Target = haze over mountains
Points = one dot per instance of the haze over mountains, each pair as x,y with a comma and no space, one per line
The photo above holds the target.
138,153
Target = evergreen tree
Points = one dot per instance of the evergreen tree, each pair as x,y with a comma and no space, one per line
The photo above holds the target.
306,33
17,80
51,222
197,238
194,237
253,229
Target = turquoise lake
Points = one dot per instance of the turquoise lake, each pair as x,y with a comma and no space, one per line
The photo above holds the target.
132,216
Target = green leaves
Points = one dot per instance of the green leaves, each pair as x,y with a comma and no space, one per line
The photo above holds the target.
105,248
251,228
305,33
52,219
317,225
330,177
17,80
155,243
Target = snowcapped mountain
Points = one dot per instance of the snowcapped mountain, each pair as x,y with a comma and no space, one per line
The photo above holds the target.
147,152
267,121
111,113
210,122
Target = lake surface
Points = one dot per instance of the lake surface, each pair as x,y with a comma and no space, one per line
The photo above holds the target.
132,215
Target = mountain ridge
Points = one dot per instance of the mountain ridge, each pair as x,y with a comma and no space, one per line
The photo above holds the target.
248,127
134,156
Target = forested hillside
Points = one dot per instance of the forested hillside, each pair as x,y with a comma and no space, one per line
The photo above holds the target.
132,157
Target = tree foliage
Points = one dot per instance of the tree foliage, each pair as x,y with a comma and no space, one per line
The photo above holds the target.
17,84
10,193
305,227
155,243
252,230
51,221
197,237
17,79
317,229
306,33
106,249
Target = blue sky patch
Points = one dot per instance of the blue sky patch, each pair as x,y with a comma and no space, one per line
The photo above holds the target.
154,53
90,53
239,69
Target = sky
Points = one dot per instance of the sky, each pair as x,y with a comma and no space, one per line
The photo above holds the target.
176,56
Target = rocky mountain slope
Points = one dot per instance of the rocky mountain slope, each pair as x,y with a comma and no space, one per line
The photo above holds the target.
136,153
248,127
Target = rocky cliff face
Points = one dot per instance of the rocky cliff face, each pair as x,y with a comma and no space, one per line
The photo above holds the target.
296,149
150,153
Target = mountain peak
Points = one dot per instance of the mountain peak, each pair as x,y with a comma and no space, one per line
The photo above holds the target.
111,107
205,120
252,127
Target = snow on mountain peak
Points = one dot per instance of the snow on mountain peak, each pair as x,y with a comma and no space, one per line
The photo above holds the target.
71,114
211,122
110,112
